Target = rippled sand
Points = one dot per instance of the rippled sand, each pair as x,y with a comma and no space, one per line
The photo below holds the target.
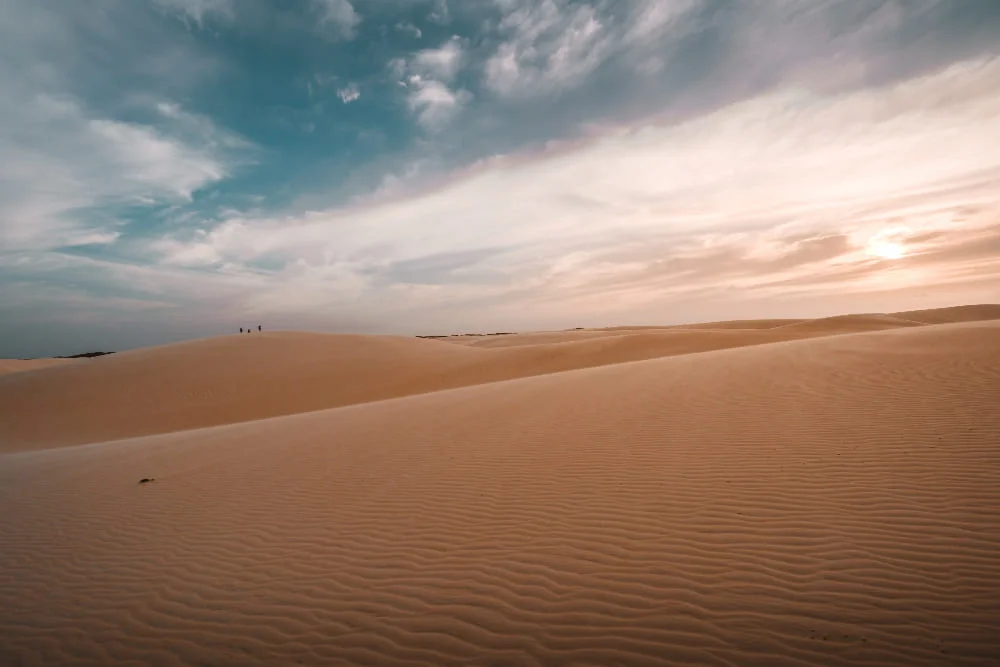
782,493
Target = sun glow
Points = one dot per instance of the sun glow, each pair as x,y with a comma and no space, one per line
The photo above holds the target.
886,249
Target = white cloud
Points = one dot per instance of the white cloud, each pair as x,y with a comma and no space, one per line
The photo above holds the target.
97,238
426,76
187,254
196,129
197,10
58,164
442,63
753,210
349,93
69,167
154,163
397,69
409,28
550,44
653,19
554,45
785,179
439,13
784,193
338,16
433,103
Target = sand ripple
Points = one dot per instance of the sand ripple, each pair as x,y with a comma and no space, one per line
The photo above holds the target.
830,501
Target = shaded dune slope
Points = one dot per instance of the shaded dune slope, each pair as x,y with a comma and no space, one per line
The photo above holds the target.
830,501
972,313
217,381
238,378
849,324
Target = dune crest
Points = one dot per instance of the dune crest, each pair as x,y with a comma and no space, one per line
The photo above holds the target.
231,379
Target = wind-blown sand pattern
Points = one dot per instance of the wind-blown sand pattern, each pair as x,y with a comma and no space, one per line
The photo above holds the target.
825,500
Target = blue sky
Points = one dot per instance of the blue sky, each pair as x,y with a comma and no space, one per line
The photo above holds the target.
181,168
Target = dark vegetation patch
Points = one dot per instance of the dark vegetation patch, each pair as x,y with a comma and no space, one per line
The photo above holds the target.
498,333
85,355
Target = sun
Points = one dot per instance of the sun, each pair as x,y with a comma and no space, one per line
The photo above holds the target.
886,249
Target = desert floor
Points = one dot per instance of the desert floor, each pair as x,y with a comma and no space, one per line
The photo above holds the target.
781,492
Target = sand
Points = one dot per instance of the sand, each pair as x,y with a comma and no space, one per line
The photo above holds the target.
819,499
19,365
234,379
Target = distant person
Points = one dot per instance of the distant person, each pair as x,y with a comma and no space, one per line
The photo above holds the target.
258,328
241,329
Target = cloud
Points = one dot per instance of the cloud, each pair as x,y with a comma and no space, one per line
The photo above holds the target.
338,16
408,28
699,53
349,93
152,162
86,143
788,186
197,10
426,76
433,103
439,13
550,44
652,20
56,303
62,168
441,63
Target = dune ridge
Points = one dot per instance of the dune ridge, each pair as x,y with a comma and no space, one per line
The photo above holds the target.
230,379
826,501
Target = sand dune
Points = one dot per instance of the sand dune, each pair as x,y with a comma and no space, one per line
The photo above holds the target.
739,324
20,365
850,324
574,335
972,313
538,337
822,326
828,501
232,379
216,381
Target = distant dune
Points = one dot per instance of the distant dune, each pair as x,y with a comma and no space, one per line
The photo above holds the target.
850,324
813,492
230,379
975,313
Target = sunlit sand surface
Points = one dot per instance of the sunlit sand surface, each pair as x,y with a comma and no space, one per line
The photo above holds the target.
18,365
782,492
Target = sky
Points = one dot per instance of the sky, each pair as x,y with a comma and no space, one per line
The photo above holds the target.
172,169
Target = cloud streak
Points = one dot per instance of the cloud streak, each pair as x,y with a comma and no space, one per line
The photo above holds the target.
59,163
549,44
787,185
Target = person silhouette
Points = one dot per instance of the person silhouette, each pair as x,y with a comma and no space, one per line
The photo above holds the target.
241,329
258,328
